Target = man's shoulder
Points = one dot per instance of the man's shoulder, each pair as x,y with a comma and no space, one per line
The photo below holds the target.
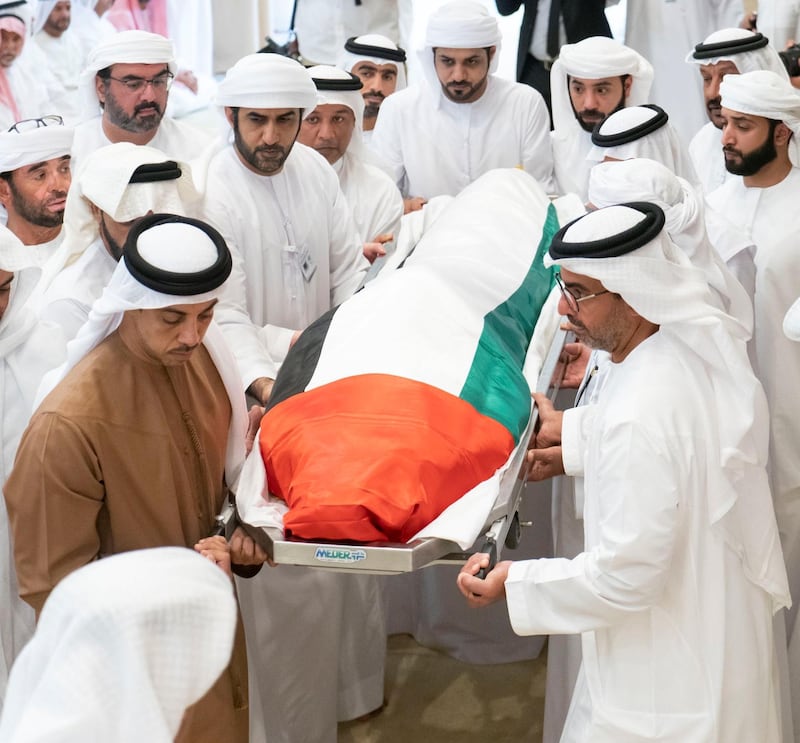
403,101
307,166
718,198
88,136
705,135
508,93
642,388
176,131
85,278
374,176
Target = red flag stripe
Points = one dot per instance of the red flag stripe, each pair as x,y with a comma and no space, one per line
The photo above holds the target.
376,457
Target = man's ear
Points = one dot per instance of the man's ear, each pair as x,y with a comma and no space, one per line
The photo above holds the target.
782,134
229,115
100,89
492,52
627,84
96,211
5,192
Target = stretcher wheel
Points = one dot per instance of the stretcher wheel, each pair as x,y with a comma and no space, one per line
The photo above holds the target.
514,533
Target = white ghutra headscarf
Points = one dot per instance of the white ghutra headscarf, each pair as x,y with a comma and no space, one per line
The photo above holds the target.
123,646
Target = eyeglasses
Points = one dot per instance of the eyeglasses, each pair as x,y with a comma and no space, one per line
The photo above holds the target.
160,82
28,125
573,302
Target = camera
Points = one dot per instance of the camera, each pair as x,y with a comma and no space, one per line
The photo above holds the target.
790,58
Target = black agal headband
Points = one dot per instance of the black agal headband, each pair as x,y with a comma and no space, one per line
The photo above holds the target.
659,119
172,282
615,245
370,50
730,47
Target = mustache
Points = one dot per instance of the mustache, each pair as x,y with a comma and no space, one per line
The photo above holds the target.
714,103
374,94
591,113
732,150
146,104
270,149
457,83
57,196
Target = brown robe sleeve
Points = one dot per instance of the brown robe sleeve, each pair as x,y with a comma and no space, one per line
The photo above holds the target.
54,496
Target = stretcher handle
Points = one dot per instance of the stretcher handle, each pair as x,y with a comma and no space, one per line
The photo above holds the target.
490,548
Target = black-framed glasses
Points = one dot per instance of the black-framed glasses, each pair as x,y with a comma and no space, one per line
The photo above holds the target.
573,302
160,82
28,125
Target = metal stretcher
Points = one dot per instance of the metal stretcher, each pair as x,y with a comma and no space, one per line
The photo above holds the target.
503,524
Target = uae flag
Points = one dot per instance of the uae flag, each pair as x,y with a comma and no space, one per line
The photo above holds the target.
396,403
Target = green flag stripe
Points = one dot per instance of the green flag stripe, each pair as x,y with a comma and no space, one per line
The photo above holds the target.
495,385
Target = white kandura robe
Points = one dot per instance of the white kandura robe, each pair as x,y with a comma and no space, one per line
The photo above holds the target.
779,21
374,200
27,351
323,26
65,57
564,651
433,146
663,31
191,29
271,223
43,252
705,151
677,642
570,146
769,217
30,94
90,28
311,634
69,298
176,139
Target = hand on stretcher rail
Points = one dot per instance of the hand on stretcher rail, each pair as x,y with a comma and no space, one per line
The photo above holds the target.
479,591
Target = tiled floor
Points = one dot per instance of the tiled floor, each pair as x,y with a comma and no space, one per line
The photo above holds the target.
433,698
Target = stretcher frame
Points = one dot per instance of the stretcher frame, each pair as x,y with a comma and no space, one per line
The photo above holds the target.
390,558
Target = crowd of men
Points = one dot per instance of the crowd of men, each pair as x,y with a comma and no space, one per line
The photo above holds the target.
153,279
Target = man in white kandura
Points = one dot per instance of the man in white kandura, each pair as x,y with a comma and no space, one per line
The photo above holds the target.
590,80
462,120
296,253
682,570
730,51
35,176
124,93
761,113
381,66
333,129
117,185
279,205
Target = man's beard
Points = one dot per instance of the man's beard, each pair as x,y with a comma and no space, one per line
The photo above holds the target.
112,246
752,162
38,214
59,27
598,116
466,95
133,123
370,107
266,159
604,338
